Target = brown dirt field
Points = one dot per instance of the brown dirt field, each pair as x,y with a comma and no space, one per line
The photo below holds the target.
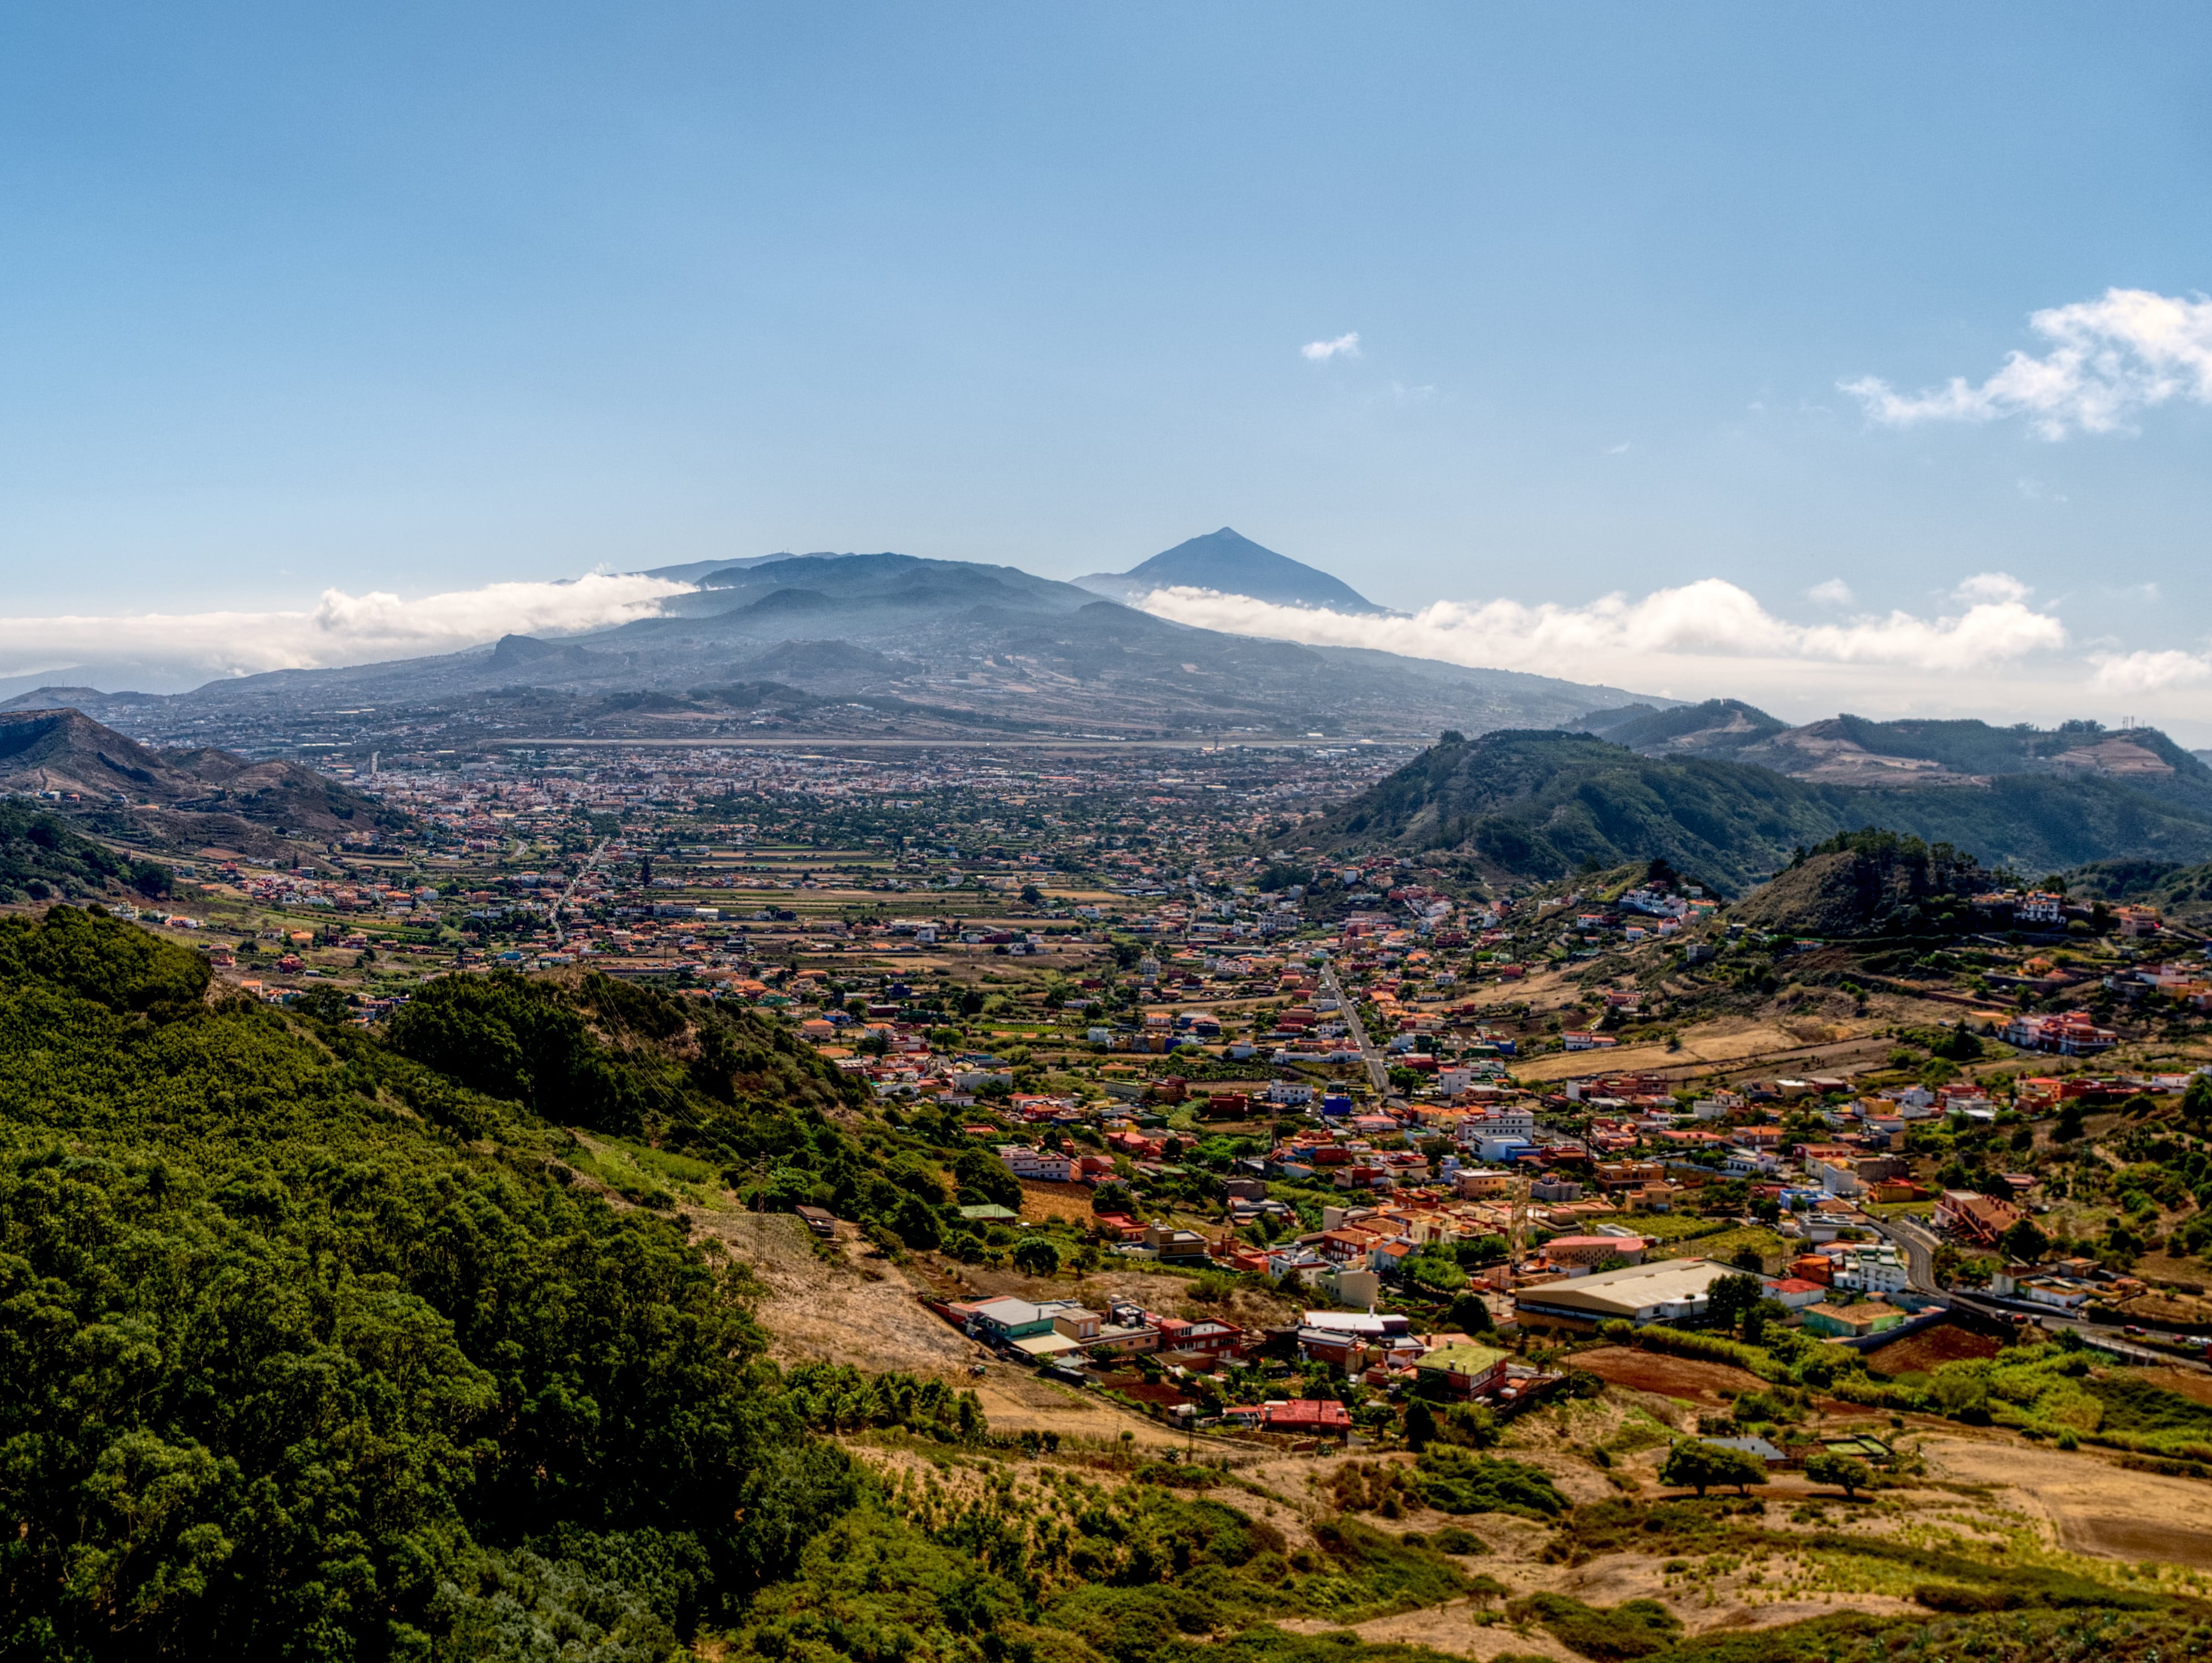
865,1313
1668,1377
1016,1400
2089,1505
1944,1343
1515,1559
1069,1201
2181,1310
2164,1267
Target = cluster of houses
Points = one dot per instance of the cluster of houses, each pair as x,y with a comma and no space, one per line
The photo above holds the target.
1379,1349
2184,983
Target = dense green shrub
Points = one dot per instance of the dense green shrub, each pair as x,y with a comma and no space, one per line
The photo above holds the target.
1606,1635
1458,1480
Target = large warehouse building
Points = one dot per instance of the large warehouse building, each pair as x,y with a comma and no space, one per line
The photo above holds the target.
1669,1291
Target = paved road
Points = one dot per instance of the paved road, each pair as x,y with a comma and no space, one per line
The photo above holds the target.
1378,1069
2095,1334
1918,1246
561,929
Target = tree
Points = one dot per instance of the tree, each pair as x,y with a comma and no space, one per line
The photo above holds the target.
1420,1426
1846,1473
1748,1258
1035,1256
1729,1297
1700,1465
1469,1314
983,1180
2025,1242
915,1222
2197,1102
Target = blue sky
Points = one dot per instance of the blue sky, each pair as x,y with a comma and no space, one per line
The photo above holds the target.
413,299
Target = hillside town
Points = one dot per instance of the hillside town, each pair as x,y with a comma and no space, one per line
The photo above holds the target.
1460,1121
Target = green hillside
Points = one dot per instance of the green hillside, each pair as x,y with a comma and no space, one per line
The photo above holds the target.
1543,804
41,857
310,1348
2181,894
1869,882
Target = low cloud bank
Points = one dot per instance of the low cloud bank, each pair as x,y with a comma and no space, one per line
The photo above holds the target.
341,629
1710,618
1991,653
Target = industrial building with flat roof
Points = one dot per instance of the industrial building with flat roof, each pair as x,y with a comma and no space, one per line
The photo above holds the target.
1670,1290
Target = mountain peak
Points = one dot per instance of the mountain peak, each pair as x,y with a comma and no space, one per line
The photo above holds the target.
1232,563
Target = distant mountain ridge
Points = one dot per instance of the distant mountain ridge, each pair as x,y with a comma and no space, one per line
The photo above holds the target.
1913,753
1544,804
922,647
170,792
1232,563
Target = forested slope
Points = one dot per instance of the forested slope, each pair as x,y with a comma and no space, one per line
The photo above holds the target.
278,1353
41,856
306,1351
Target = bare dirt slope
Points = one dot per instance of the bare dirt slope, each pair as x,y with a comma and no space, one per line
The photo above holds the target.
851,1306
2087,1503
851,1309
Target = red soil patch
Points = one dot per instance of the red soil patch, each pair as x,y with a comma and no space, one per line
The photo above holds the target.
1945,1341
1670,1377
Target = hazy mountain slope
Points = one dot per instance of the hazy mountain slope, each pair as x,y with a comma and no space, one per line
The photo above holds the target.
1716,727
1542,804
176,797
1234,564
922,647
1916,752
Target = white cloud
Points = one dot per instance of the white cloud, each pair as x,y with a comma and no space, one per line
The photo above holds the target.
1344,346
1990,586
2150,672
1708,619
2128,350
341,629
1834,592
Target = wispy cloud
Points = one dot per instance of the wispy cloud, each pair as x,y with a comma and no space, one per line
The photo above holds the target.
1344,346
340,628
2125,351
1834,592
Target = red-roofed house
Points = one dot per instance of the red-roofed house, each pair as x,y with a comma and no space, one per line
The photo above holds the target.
1309,1415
